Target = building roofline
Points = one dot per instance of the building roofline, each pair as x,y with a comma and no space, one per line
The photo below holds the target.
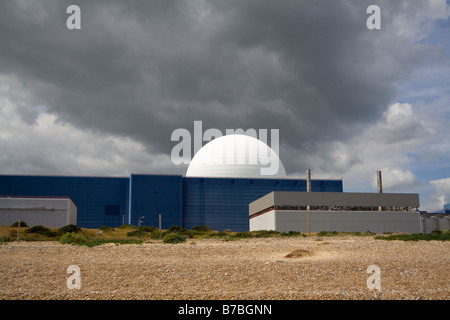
59,176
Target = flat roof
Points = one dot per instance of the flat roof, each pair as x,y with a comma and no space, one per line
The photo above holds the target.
341,199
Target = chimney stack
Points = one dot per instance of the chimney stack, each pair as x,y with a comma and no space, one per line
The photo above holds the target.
308,180
379,183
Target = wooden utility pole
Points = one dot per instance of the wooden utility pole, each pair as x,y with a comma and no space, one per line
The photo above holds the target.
18,230
308,189
307,215
160,225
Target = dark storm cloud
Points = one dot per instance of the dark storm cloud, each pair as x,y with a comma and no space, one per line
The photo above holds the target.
144,68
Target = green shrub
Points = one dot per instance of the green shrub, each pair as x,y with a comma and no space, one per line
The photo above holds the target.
125,226
177,229
218,234
149,229
204,228
444,236
174,237
193,233
22,224
73,238
136,233
181,231
39,229
264,233
228,238
69,228
79,239
292,234
327,233
243,234
5,239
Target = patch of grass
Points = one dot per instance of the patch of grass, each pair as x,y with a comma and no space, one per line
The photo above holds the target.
442,236
173,237
202,231
39,229
136,233
218,234
149,229
127,226
203,228
264,233
5,239
327,233
106,229
198,234
228,236
344,233
292,234
132,234
179,230
79,239
73,238
69,228
243,235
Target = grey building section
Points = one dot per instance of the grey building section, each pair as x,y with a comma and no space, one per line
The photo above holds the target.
49,212
350,212
346,221
336,200
435,222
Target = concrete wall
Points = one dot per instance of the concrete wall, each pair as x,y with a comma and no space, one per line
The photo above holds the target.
347,221
432,222
49,212
265,221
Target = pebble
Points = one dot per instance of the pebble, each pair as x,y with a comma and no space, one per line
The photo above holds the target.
215,269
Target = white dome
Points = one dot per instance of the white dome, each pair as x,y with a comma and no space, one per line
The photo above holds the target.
236,156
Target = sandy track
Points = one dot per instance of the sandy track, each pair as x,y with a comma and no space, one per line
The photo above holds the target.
215,269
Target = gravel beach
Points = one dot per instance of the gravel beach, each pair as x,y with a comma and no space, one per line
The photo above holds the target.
318,268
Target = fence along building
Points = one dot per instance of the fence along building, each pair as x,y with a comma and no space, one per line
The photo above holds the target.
332,211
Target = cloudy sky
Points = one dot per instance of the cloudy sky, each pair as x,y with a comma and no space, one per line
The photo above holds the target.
348,100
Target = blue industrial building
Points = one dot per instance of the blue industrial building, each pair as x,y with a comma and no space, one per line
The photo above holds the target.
221,203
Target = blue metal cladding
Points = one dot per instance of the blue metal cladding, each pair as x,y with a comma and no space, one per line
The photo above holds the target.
447,208
156,194
222,203
93,196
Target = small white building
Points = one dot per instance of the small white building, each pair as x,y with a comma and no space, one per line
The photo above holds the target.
46,211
